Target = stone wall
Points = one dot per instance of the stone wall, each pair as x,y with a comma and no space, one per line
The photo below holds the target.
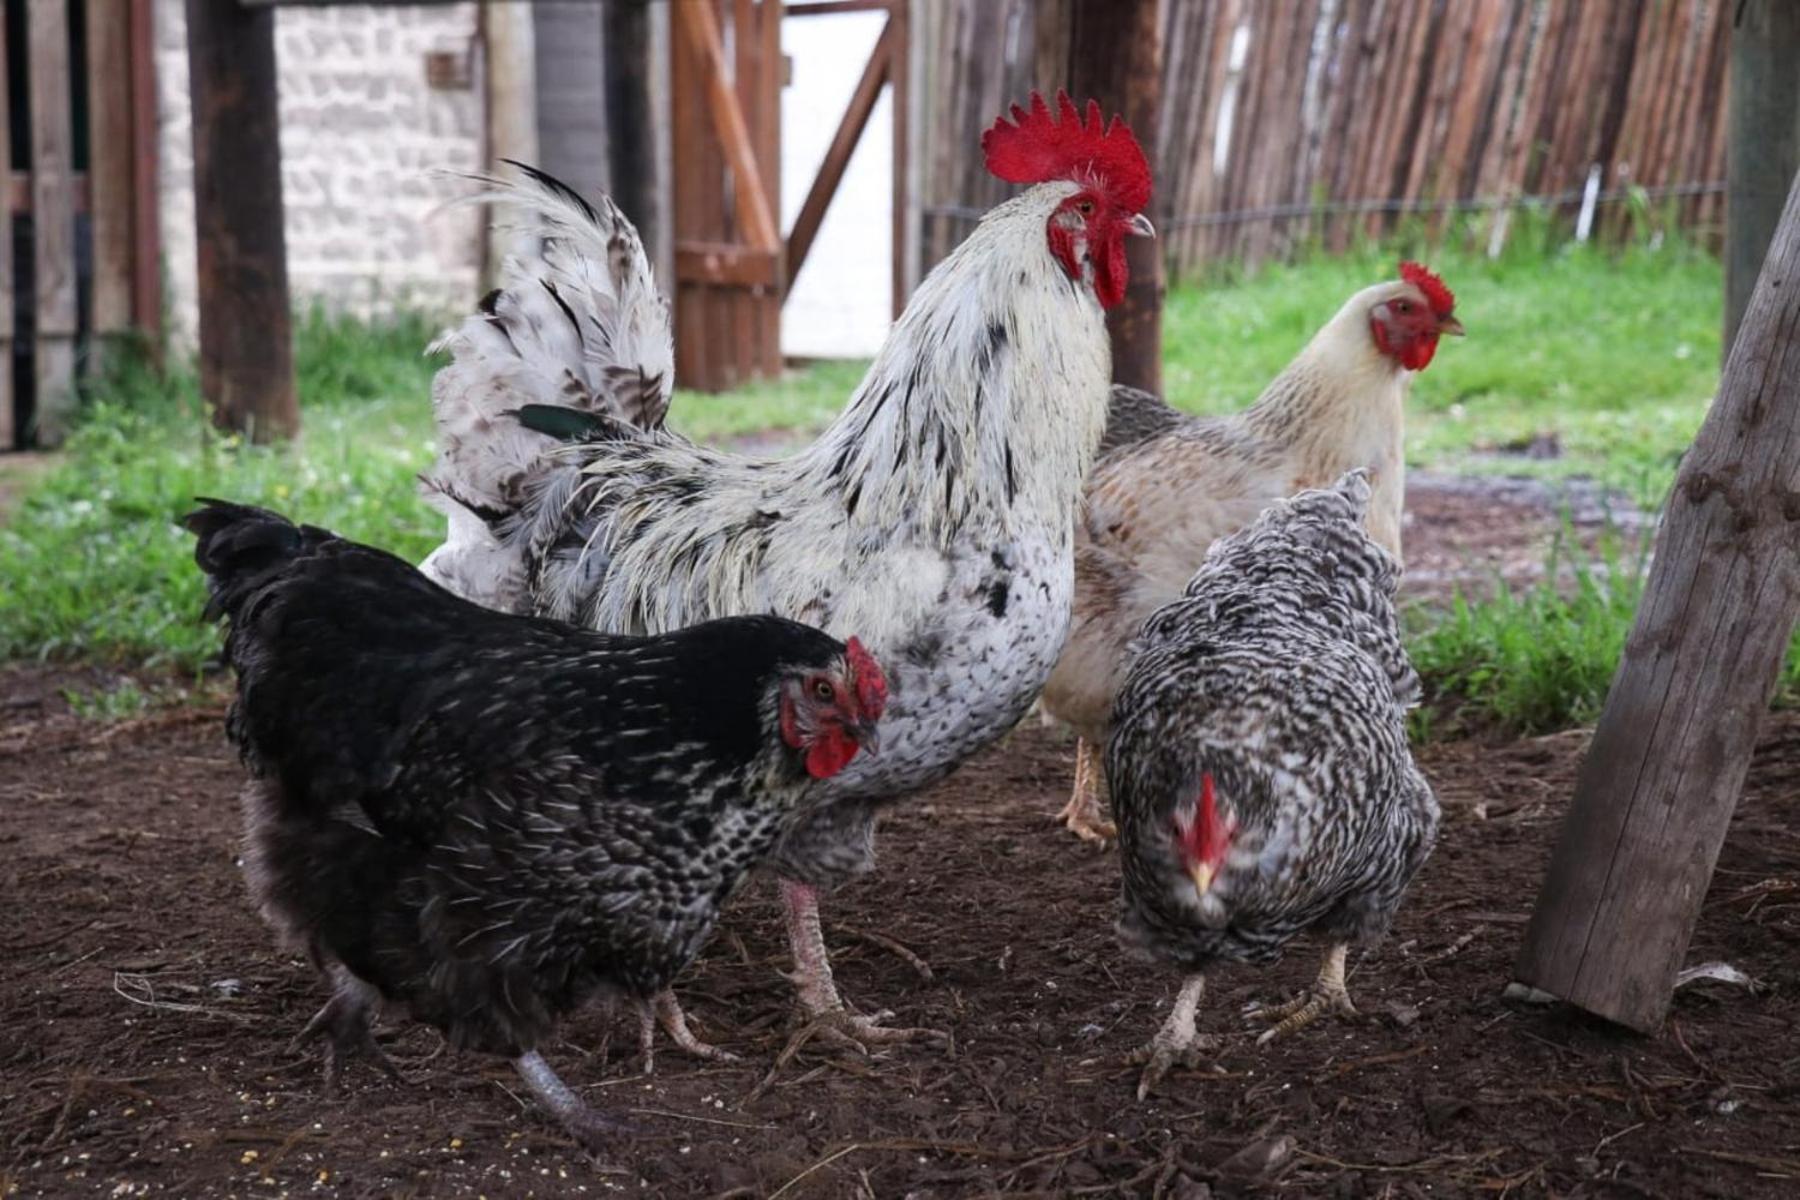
361,132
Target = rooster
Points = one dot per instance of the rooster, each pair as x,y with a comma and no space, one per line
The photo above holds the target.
487,818
935,517
1167,485
1258,761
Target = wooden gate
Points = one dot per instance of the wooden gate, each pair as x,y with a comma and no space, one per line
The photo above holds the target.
87,191
732,266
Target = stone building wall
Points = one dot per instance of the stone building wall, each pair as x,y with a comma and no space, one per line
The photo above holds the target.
361,132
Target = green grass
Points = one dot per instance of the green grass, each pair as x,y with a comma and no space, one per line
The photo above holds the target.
1614,353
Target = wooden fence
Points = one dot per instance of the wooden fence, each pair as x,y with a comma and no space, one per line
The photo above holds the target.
78,136
1292,120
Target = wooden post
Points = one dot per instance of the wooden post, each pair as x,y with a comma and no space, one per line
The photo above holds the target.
110,139
508,34
636,123
9,430
1116,57
53,218
1657,789
246,336
1763,141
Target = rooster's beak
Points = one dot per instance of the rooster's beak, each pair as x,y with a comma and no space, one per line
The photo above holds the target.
868,738
1202,875
1141,226
1451,326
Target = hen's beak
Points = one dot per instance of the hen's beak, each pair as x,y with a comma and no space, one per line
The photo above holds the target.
1141,226
868,737
1451,326
1202,875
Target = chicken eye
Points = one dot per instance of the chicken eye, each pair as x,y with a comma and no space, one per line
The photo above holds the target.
823,690
1085,207
1403,306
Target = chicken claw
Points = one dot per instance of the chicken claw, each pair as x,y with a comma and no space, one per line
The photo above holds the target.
597,1131
347,1022
822,1009
1176,1042
1082,815
1327,994
665,1010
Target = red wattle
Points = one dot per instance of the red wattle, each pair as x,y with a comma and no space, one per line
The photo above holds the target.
830,754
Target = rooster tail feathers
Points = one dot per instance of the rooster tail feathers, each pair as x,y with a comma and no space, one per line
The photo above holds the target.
239,548
575,343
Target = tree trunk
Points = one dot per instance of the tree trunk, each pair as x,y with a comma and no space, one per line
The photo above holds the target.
1115,52
246,339
1762,142
1657,789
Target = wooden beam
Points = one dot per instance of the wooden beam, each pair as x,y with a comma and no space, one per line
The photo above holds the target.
146,283
52,219
837,155
727,264
1656,791
1116,57
246,335
900,92
634,121
1763,141
827,8
510,88
699,24
9,423
110,169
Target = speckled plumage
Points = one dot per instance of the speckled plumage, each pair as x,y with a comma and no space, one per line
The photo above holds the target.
489,818
1280,673
935,517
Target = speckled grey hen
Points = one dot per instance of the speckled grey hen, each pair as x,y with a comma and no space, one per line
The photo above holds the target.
1259,765
488,819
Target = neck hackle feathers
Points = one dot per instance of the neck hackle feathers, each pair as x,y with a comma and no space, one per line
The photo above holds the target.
1441,298
1037,146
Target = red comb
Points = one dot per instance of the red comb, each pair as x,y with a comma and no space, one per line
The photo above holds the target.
871,684
1441,298
1037,147
1200,840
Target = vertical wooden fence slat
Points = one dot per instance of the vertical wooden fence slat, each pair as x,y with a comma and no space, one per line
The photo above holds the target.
110,169
246,324
9,430
53,219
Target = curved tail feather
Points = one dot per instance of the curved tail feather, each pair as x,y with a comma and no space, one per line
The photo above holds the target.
577,324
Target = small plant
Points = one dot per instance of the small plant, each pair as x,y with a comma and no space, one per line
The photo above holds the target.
119,702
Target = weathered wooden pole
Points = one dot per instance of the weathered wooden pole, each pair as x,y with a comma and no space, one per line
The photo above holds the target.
637,120
1116,56
1657,789
1762,141
246,335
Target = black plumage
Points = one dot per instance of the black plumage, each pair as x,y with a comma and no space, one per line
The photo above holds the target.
488,818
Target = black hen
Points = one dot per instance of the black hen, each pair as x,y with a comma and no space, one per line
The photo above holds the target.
487,818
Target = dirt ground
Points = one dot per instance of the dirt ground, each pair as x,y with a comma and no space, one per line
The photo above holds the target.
145,1017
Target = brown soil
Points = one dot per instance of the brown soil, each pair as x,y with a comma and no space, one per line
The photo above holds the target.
144,1017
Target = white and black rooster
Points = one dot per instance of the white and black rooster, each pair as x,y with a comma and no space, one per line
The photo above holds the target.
935,517
1258,761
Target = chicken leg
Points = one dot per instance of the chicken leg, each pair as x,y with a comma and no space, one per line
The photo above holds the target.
1177,1041
595,1130
1327,994
819,996
665,1010
1082,813
347,1022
